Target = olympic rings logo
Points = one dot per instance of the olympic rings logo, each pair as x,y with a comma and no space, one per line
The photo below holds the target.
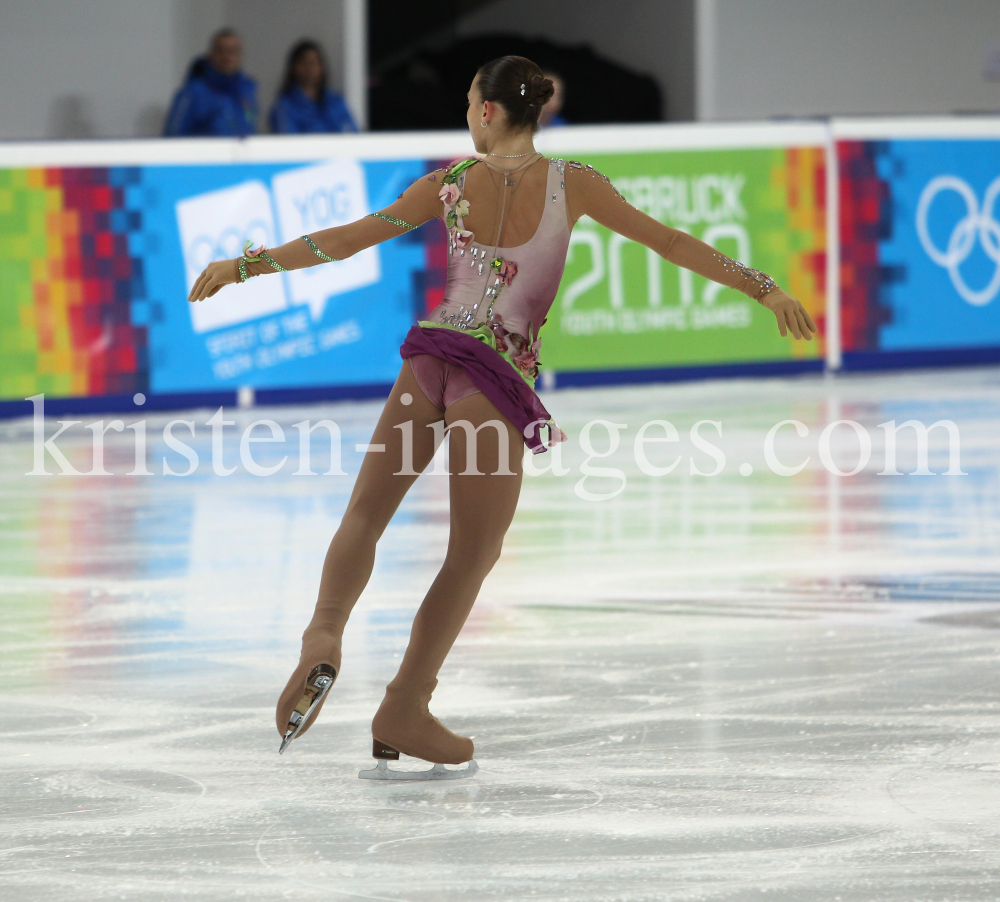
206,249
978,223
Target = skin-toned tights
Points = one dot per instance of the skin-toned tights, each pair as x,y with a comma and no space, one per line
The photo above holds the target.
473,545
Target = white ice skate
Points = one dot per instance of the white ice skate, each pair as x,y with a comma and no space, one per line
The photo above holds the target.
320,680
384,754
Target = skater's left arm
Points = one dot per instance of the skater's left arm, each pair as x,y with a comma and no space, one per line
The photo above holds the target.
415,206
590,193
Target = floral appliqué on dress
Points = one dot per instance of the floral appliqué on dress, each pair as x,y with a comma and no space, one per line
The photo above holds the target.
523,351
454,208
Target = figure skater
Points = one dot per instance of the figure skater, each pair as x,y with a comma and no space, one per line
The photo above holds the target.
472,364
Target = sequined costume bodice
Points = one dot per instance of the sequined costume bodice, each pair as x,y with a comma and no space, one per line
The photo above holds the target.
476,293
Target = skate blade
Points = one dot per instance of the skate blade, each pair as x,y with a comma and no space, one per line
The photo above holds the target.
382,771
321,680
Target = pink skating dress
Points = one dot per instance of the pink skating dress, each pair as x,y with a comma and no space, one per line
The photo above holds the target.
483,336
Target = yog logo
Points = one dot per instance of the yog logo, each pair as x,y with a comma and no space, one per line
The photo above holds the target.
978,226
215,225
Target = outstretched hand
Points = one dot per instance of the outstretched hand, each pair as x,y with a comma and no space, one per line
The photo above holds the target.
215,276
791,315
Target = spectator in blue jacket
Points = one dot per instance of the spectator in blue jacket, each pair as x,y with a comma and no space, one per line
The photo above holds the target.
305,104
217,98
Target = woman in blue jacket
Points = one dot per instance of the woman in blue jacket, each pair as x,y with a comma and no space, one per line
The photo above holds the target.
305,104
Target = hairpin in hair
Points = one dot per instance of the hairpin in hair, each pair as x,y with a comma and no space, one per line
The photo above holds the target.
522,90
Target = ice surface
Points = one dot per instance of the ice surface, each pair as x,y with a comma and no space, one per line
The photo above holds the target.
717,688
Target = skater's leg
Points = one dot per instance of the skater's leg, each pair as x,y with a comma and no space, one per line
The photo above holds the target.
381,484
379,489
482,507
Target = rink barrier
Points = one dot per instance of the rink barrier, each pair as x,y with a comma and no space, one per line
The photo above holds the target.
687,373
119,208
109,404
861,361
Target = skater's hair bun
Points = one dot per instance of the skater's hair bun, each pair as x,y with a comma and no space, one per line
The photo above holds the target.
519,86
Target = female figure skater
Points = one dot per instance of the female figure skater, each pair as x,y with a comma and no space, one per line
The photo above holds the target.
472,364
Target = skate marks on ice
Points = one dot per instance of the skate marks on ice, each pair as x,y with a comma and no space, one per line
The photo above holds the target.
85,795
412,823
22,719
707,786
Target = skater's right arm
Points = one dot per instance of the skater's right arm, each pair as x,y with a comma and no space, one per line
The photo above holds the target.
592,194
416,205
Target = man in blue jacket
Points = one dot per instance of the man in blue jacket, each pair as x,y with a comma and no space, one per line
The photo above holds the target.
216,99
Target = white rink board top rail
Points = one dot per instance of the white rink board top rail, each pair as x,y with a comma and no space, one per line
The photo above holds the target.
916,127
438,145
682,136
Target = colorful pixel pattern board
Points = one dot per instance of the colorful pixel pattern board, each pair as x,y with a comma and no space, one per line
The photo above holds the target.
67,283
919,247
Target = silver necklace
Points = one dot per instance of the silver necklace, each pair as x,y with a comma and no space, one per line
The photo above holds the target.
512,156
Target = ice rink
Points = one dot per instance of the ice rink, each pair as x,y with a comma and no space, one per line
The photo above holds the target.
721,688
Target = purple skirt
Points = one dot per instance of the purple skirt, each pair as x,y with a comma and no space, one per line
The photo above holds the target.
492,375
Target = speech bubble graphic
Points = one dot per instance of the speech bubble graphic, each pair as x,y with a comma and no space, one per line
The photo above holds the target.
321,197
214,226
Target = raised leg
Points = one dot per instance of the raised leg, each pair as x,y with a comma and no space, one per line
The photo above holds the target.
482,507
378,491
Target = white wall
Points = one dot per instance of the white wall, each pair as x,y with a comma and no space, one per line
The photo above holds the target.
652,37
856,57
83,69
108,68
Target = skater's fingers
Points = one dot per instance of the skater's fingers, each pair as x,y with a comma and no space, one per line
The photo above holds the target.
809,320
196,289
206,288
203,287
793,326
793,323
779,315
208,282
803,326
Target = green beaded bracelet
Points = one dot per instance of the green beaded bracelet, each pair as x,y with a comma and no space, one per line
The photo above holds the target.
396,222
318,252
270,261
260,255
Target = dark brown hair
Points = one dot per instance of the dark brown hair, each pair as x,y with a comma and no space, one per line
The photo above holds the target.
294,55
519,86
